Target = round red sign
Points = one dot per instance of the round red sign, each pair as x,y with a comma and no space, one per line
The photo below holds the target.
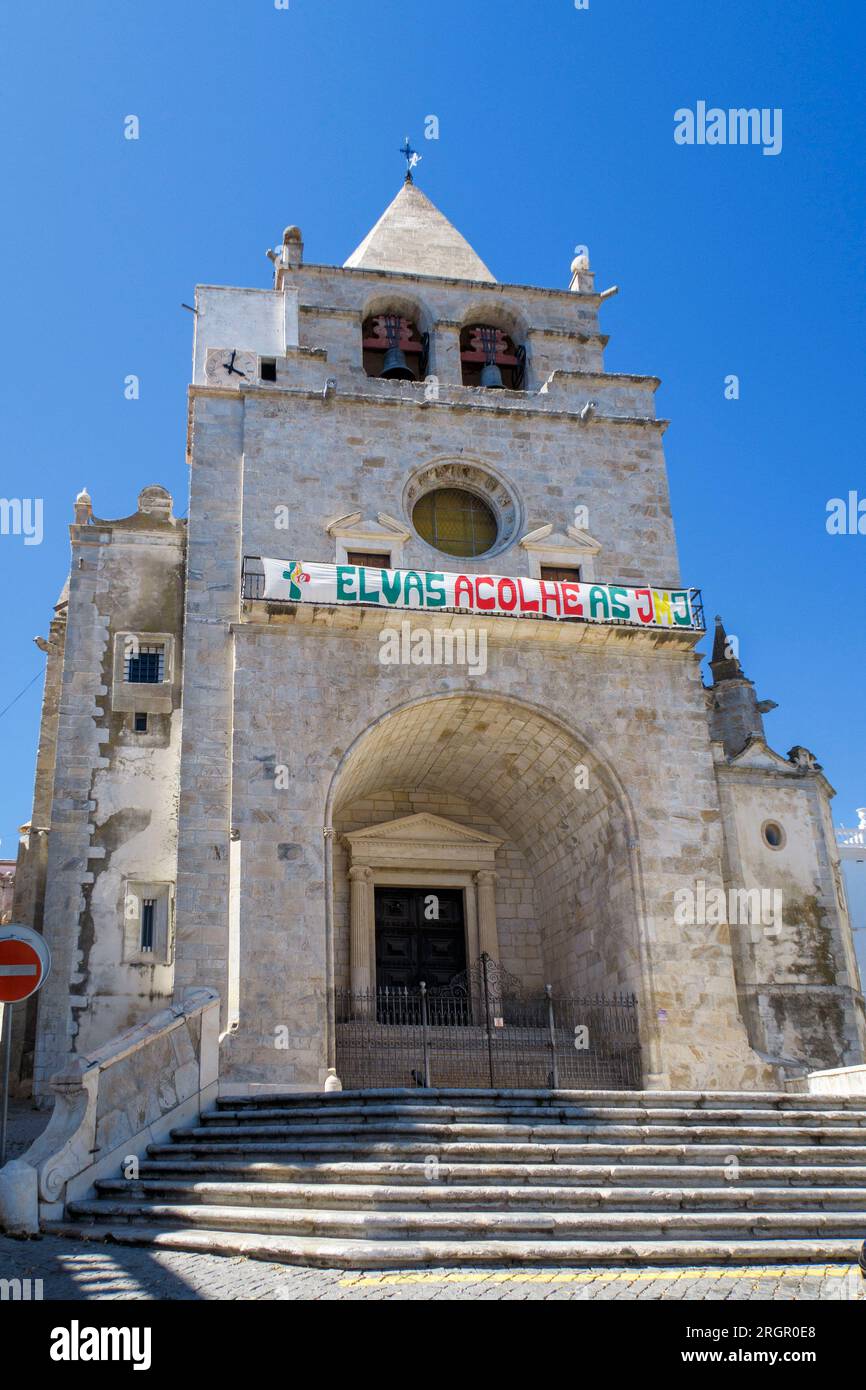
21,970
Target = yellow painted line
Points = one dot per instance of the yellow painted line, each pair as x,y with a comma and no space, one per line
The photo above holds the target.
606,1276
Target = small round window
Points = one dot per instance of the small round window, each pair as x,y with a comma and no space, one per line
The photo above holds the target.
773,834
455,521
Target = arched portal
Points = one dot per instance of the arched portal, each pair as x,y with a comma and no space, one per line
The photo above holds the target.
558,901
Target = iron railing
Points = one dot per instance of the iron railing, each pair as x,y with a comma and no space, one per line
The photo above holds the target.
252,578
482,1030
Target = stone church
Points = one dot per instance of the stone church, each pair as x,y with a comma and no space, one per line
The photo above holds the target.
415,685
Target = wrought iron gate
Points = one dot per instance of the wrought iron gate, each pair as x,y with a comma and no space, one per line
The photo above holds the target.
484,1030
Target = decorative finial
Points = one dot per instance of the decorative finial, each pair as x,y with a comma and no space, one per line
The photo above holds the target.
410,157
83,507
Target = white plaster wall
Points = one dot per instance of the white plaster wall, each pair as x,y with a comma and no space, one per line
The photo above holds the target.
145,780
262,321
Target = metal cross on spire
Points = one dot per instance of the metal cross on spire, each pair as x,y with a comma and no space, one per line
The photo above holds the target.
410,157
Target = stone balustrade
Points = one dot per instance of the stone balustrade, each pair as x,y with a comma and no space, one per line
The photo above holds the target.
110,1104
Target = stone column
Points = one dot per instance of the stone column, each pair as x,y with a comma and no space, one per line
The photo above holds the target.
362,928
488,936
445,362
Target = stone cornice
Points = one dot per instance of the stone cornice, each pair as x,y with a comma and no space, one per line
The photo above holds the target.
119,534
492,287
785,772
527,406
264,615
807,986
607,378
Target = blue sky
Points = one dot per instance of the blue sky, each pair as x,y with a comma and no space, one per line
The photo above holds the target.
556,128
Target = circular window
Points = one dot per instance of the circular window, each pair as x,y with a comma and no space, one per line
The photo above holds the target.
773,834
455,521
475,512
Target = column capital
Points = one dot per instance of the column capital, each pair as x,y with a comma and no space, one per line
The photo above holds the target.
486,876
362,872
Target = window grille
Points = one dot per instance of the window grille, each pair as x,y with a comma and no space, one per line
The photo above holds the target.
144,665
148,915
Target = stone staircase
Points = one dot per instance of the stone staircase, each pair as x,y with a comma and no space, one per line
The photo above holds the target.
373,1179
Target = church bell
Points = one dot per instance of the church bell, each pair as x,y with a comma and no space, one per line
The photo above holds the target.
491,377
395,366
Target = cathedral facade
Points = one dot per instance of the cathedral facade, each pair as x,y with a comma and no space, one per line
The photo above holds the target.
422,639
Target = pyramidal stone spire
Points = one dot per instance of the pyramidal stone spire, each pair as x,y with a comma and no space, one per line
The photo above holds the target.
734,709
412,237
724,663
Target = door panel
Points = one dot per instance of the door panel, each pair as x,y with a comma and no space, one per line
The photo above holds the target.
412,946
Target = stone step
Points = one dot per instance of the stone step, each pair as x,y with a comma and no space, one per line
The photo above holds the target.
587,1152
496,1197
538,1133
363,1115
367,1254
567,1177
486,1225
423,1096
417,1174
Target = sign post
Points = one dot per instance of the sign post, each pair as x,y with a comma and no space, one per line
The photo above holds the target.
25,962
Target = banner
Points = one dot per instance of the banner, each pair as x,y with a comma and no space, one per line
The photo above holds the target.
496,595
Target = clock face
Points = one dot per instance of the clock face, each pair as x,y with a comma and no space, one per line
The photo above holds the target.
230,367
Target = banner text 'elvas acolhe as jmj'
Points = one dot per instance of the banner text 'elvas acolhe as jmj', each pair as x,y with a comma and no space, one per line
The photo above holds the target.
496,595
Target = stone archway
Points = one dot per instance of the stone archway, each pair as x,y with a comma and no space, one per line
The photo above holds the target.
568,901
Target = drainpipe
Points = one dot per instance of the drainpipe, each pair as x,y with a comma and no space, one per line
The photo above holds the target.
233,954
233,963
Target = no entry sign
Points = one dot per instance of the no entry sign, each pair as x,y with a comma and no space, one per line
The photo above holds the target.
24,963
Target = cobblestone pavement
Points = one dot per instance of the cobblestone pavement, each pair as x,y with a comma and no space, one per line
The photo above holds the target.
72,1269
25,1125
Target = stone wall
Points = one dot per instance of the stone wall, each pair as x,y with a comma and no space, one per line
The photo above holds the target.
293,730
296,694
306,693
559,329
797,973
114,798
307,461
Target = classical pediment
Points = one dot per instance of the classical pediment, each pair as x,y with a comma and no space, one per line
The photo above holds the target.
422,827
355,526
573,541
757,753
422,839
